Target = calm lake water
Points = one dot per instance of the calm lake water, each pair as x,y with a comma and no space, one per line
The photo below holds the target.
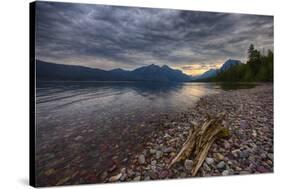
86,124
103,104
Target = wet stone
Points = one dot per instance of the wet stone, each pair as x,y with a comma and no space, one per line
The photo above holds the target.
137,178
221,165
104,175
218,156
78,138
163,174
153,162
158,154
188,164
225,173
209,161
141,159
152,174
115,177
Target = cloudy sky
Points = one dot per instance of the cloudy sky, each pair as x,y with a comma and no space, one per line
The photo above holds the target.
109,37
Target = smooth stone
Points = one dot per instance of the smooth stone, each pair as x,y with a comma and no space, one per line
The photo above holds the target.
163,174
183,175
123,177
243,124
153,162
188,164
152,174
112,168
269,162
270,156
226,145
209,161
244,154
206,167
137,178
262,169
263,156
158,154
147,178
221,165
141,159
236,153
225,173
130,172
244,173
115,177
218,156
78,138
254,134
152,151
168,150
104,175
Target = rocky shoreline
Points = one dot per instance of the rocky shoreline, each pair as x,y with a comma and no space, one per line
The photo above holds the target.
248,150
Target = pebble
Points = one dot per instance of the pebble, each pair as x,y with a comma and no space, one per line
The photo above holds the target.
152,174
225,173
158,154
123,177
112,168
153,162
137,178
219,156
227,145
188,164
163,174
115,178
152,151
168,150
78,138
270,156
236,153
183,175
209,161
141,159
244,172
254,133
103,175
221,165
206,167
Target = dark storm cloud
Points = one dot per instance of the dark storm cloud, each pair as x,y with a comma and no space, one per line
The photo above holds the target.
109,37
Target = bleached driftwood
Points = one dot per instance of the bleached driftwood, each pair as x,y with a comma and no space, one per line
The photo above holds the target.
200,140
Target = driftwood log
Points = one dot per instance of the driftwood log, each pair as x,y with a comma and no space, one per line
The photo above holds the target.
200,140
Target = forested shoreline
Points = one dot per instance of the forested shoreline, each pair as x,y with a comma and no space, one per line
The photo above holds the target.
258,68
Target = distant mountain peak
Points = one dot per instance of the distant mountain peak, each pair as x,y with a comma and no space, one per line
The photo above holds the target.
117,70
229,63
165,66
213,72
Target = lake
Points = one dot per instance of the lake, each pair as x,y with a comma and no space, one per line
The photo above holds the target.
93,125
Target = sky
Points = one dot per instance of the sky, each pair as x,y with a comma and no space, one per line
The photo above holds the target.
109,37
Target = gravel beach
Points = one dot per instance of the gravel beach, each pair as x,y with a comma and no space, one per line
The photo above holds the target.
248,150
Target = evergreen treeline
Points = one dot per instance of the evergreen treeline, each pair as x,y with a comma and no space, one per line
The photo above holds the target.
259,67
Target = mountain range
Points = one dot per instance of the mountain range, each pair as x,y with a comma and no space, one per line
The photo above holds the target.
61,72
